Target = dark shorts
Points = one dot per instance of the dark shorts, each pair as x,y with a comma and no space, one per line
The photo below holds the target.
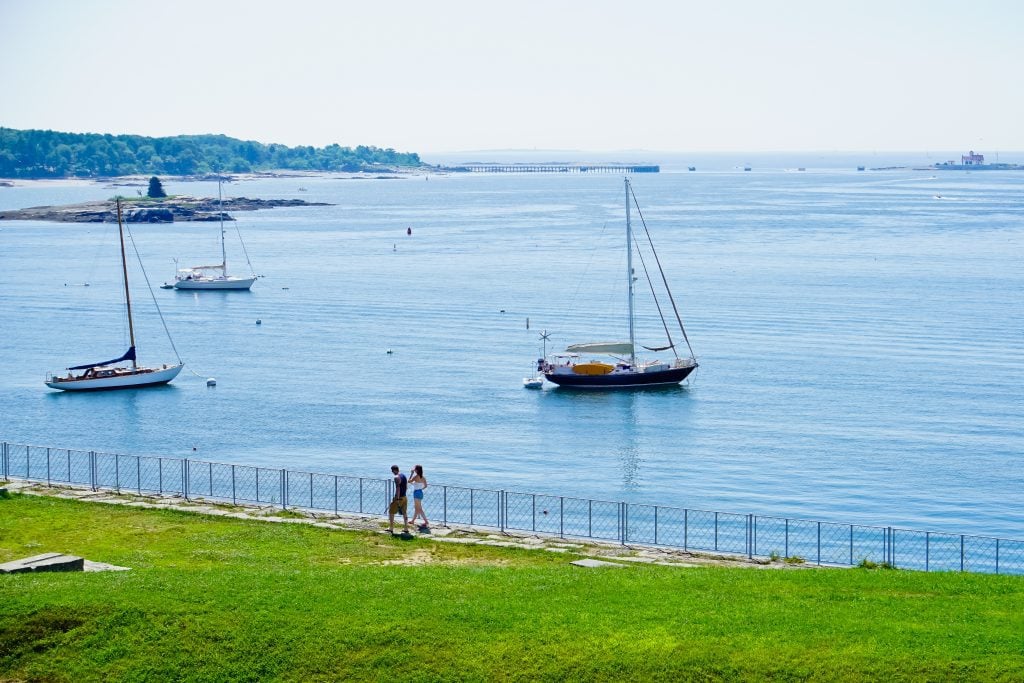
418,494
398,505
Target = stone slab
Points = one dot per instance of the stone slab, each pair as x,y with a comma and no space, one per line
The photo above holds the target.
47,562
104,567
592,564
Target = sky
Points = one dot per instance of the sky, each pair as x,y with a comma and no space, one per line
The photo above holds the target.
443,76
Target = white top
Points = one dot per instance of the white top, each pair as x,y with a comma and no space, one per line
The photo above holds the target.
418,486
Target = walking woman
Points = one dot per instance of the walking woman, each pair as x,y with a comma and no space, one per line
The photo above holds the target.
419,482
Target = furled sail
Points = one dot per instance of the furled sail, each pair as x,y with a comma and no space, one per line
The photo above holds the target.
128,355
611,348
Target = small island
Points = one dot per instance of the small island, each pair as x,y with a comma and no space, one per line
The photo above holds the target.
149,210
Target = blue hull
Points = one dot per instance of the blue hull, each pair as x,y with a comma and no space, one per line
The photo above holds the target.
629,380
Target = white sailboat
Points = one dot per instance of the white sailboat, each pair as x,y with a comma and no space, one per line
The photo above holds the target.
536,380
623,369
109,374
215,276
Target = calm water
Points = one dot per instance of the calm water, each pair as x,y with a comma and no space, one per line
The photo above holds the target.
861,338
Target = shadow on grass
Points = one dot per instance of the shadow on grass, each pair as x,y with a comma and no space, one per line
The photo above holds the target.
35,633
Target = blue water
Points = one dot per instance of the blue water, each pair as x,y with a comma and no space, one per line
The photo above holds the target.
861,338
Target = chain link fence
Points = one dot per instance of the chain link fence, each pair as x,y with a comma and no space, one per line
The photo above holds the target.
795,540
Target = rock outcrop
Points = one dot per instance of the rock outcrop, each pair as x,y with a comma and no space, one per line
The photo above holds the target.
149,211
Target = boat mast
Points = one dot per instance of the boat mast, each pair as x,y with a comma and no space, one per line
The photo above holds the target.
223,252
629,277
127,296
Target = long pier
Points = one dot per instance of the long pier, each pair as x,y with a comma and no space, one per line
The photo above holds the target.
552,168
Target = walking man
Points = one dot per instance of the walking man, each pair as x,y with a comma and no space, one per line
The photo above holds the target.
399,503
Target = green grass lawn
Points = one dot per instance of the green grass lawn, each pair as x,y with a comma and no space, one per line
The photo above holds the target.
210,598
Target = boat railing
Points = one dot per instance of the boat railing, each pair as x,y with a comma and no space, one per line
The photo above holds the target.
748,535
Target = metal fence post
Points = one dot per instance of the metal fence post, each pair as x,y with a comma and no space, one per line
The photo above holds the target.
3,452
47,465
534,523
716,531
750,536
561,517
138,473
851,545
310,490
234,493
686,528
360,495
257,485
160,475
655,525
892,544
787,537
92,469
284,489
335,495
618,522
445,500
626,522
471,507
28,462
961,552
997,556
117,472
590,518
819,543
927,548
501,518
184,477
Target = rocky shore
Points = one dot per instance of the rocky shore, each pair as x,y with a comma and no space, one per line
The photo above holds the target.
166,210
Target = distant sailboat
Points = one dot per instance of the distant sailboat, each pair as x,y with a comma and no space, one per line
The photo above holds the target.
208,277
624,371
108,374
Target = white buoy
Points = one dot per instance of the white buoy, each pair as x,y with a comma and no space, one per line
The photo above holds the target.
259,321
211,382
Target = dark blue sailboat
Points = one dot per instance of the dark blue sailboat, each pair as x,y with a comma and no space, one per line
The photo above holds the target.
619,367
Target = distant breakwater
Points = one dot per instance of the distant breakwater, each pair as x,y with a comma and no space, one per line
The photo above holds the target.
552,167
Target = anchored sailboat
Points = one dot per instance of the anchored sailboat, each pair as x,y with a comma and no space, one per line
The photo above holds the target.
215,276
625,370
108,374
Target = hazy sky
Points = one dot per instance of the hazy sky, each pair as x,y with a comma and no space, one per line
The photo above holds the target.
430,76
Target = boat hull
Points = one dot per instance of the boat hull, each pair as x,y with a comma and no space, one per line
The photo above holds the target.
229,283
132,381
622,380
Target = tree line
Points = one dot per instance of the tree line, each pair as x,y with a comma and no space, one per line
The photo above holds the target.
52,154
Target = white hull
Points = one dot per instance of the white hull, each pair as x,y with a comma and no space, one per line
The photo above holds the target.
216,283
147,377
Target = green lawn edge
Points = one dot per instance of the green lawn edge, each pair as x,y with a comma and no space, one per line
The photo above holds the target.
214,598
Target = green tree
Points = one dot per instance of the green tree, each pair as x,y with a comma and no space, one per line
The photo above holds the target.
155,188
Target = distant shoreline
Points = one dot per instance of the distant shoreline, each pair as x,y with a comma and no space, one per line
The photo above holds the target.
137,180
